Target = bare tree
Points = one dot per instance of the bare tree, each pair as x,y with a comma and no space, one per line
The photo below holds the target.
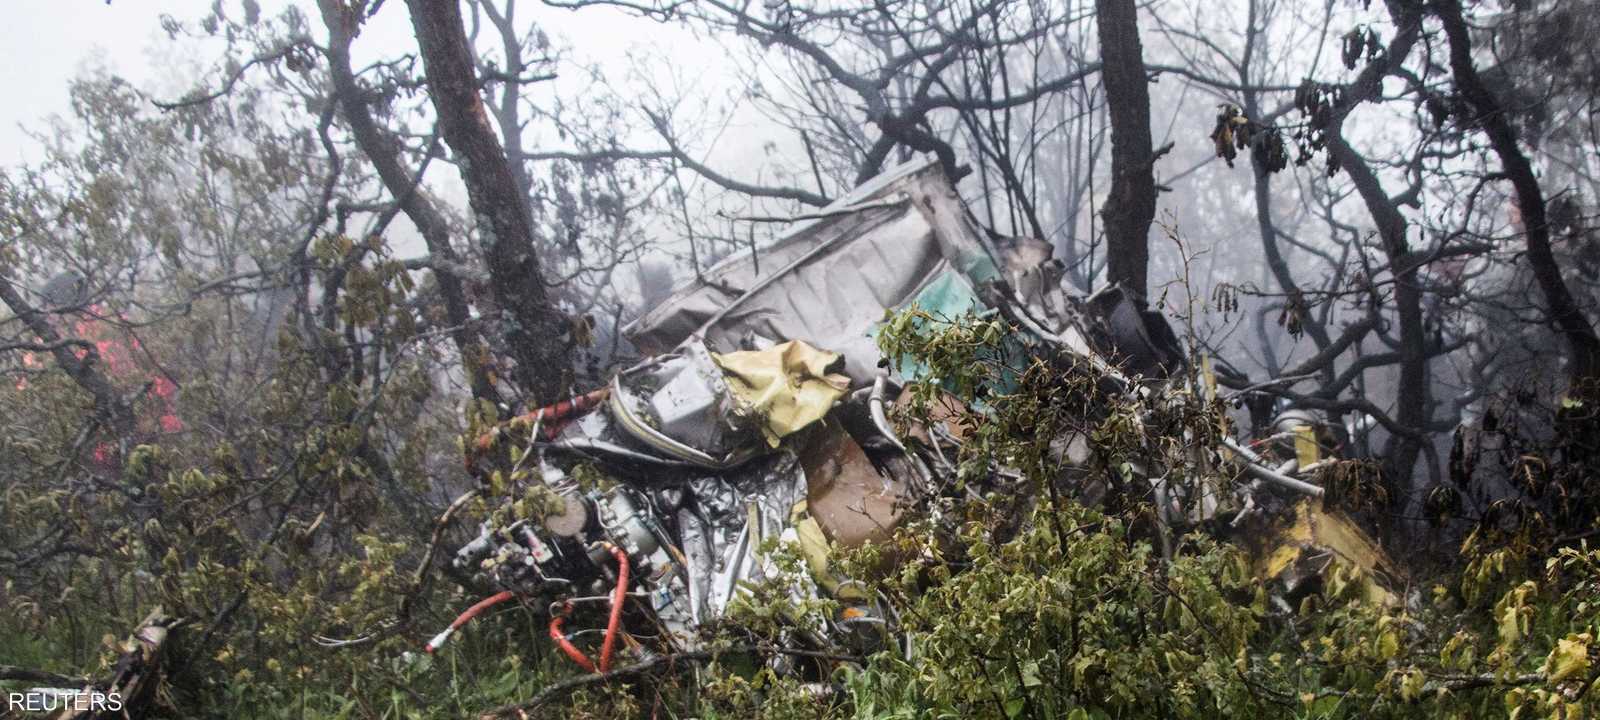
1489,114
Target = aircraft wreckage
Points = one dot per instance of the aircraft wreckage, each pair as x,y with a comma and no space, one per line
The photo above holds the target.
761,416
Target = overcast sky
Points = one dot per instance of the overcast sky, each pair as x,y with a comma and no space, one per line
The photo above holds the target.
44,43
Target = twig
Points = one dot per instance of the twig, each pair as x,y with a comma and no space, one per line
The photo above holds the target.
551,692
420,577
1456,683
1285,380
556,690
21,674
197,97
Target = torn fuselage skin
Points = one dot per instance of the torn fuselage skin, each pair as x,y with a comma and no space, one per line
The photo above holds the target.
760,420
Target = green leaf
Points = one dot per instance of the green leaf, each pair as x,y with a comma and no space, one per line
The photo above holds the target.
1510,629
1570,658
1411,683
1030,674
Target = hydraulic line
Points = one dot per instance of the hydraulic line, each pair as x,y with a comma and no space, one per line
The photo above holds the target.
613,625
562,642
549,419
466,617
617,598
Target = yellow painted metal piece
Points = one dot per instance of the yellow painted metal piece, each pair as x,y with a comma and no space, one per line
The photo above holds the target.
790,385
1316,534
1305,445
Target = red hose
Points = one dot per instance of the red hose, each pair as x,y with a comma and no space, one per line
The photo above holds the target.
555,416
467,616
617,597
613,625
566,645
482,605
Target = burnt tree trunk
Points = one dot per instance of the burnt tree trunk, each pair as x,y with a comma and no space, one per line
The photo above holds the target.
537,333
1131,206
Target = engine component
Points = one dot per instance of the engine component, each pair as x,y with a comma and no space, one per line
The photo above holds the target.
680,405
572,518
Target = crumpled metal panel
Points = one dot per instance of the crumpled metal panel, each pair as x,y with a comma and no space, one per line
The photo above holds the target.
1305,549
732,517
852,502
830,281
1139,339
680,405
789,386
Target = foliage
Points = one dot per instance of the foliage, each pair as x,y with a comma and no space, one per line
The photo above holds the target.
286,490
299,407
1029,605
1077,615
